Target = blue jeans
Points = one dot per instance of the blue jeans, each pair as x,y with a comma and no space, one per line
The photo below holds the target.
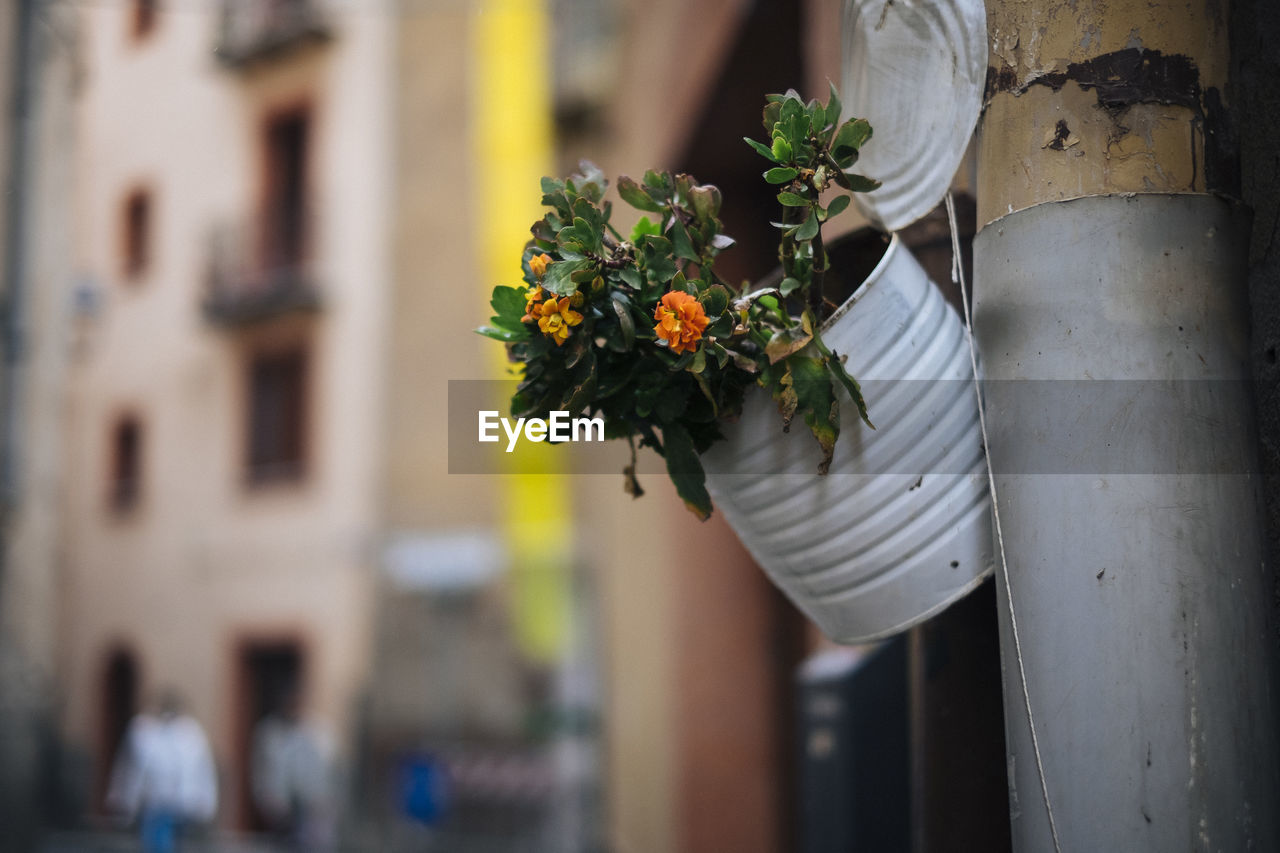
159,831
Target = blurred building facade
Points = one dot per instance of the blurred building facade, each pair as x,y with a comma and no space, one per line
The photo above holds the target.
272,210
224,400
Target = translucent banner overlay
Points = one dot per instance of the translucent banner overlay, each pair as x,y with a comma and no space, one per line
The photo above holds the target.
1095,427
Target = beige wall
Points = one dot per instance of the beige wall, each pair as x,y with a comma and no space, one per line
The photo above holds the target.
205,561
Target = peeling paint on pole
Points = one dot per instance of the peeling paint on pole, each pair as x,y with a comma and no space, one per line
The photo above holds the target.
1092,98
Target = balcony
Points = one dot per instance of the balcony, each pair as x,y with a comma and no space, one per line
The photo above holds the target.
248,283
255,31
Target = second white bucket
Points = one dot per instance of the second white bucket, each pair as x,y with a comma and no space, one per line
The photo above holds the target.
900,527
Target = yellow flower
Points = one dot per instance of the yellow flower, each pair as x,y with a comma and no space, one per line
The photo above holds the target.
681,321
555,318
539,264
531,300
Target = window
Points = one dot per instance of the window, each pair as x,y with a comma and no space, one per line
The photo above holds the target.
277,415
143,19
284,214
137,233
125,489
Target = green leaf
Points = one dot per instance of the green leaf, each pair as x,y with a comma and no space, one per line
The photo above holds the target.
508,302
507,335
816,401
792,200
780,174
679,282
581,395
838,204
703,385
836,365
772,112
788,286
575,350
850,137
833,107
794,123
809,228
680,243
685,469
586,233
706,202
861,183
657,259
628,326
507,323
631,276
644,226
721,354
659,185
633,194
760,148
558,278
714,300
785,342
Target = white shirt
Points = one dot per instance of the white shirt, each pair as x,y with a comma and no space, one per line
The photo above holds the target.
166,764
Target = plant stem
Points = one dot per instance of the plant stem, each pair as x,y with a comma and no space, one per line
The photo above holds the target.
787,254
819,272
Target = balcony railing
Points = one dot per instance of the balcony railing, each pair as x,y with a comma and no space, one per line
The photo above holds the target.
246,285
252,31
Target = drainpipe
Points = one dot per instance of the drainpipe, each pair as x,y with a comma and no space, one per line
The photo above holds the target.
13,301
1111,316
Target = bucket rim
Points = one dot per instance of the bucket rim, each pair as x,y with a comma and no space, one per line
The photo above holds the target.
877,273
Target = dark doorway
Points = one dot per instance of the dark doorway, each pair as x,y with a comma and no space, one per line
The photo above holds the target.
267,672
120,684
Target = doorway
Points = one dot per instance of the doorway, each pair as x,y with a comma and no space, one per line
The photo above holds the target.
120,685
266,673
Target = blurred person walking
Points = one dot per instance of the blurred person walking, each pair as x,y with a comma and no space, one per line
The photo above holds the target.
293,777
164,777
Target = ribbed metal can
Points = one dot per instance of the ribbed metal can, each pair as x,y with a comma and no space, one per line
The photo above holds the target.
900,526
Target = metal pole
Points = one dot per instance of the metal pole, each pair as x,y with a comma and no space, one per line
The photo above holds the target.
1111,317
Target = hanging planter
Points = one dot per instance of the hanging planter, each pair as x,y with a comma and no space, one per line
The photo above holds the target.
869,533
899,527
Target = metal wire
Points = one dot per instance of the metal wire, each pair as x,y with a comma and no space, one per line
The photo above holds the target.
957,276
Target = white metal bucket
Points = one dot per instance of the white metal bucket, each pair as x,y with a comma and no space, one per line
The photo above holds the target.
865,553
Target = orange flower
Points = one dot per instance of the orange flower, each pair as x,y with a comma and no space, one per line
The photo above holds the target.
539,264
556,317
681,321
